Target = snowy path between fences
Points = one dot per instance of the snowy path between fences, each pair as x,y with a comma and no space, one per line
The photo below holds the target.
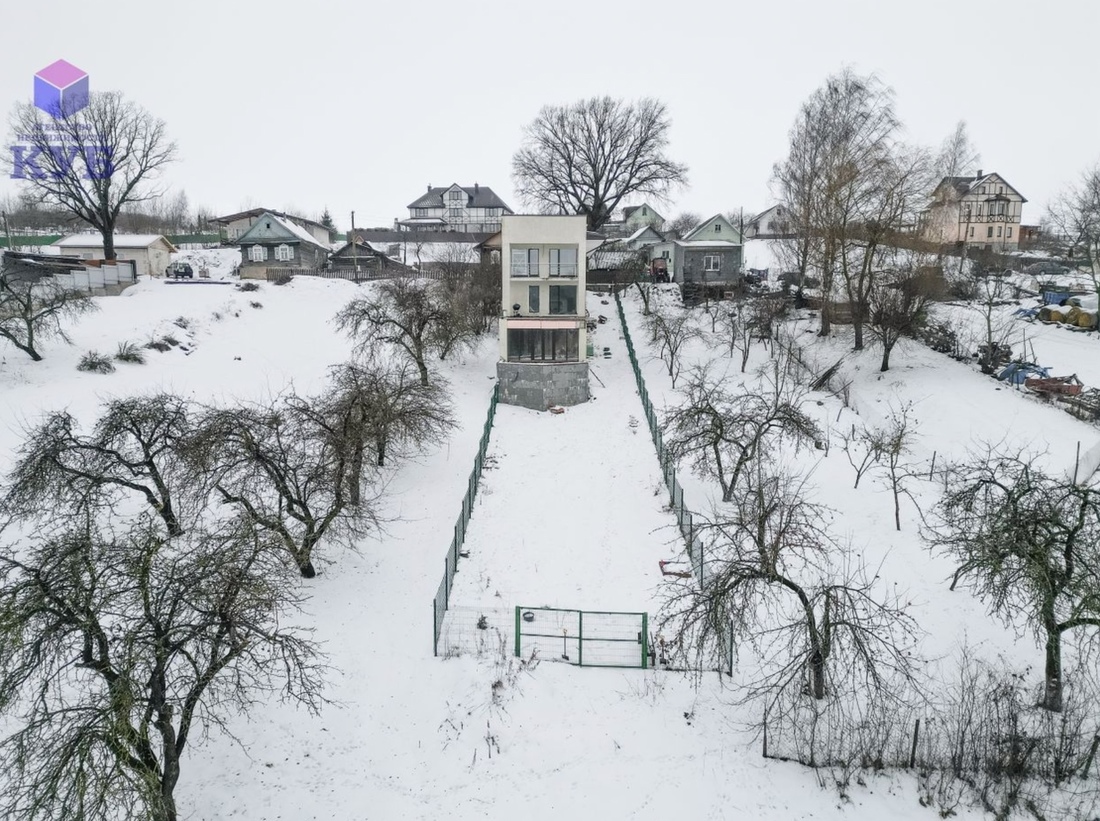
571,511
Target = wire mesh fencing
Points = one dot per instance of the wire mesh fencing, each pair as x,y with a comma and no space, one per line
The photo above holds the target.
450,566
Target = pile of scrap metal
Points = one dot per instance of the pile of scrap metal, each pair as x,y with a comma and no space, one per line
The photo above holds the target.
1077,312
1050,386
1018,373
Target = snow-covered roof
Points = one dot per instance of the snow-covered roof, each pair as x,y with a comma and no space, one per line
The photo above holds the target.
298,231
121,241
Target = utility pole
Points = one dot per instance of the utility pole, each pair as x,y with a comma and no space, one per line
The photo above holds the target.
354,249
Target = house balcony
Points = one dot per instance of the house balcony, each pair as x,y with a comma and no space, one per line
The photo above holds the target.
544,270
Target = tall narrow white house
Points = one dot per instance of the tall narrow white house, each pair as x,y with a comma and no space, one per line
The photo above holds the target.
543,337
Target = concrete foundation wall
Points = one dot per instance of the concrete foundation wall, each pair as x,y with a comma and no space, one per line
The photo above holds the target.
540,386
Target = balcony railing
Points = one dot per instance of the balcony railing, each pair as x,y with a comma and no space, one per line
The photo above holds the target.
554,270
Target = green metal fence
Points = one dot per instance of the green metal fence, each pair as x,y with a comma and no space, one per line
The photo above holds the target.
450,566
688,522
586,638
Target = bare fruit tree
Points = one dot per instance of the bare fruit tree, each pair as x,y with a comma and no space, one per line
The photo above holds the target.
782,587
586,157
1028,543
117,650
721,432
409,314
138,446
91,162
671,329
33,311
1076,213
898,308
285,467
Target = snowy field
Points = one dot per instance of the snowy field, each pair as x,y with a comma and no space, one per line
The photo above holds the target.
571,514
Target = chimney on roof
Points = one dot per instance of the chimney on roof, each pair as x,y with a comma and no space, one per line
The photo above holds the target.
475,187
978,176
429,188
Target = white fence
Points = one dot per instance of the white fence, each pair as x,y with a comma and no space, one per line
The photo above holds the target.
98,278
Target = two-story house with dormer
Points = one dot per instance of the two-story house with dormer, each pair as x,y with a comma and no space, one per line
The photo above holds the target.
982,211
710,254
471,210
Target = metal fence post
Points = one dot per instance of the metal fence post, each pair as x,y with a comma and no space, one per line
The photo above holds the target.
435,626
580,638
519,651
645,640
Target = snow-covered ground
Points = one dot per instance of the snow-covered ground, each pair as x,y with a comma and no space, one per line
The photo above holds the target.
571,514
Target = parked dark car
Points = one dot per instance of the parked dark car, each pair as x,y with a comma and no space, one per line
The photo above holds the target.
180,270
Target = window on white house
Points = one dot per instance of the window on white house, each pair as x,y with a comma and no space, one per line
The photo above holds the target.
525,262
712,262
718,228
257,253
563,299
283,253
989,232
971,230
533,299
455,196
454,213
998,230
1008,232
563,262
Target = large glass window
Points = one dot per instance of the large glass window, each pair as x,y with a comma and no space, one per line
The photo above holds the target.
712,263
544,345
533,299
525,262
563,262
563,299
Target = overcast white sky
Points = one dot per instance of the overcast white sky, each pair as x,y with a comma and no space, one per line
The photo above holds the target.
361,105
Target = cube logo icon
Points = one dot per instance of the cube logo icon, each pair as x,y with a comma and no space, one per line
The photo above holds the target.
61,89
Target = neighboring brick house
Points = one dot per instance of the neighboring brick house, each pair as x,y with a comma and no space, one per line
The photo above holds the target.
982,211
471,210
235,226
711,253
274,242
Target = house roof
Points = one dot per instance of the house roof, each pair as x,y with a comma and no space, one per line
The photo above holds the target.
638,234
706,222
298,232
628,210
965,185
256,212
478,196
703,243
121,241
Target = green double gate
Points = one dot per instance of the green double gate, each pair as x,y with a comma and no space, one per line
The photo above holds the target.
587,638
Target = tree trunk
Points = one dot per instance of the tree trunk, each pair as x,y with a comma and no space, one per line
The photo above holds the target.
423,368
381,445
305,567
1052,689
857,324
108,233
355,473
885,366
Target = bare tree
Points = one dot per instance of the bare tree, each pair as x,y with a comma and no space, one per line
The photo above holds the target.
671,329
957,155
403,312
116,650
993,294
781,585
91,162
33,311
138,445
1076,214
898,308
891,444
840,147
682,223
1029,545
721,433
392,413
285,466
586,157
